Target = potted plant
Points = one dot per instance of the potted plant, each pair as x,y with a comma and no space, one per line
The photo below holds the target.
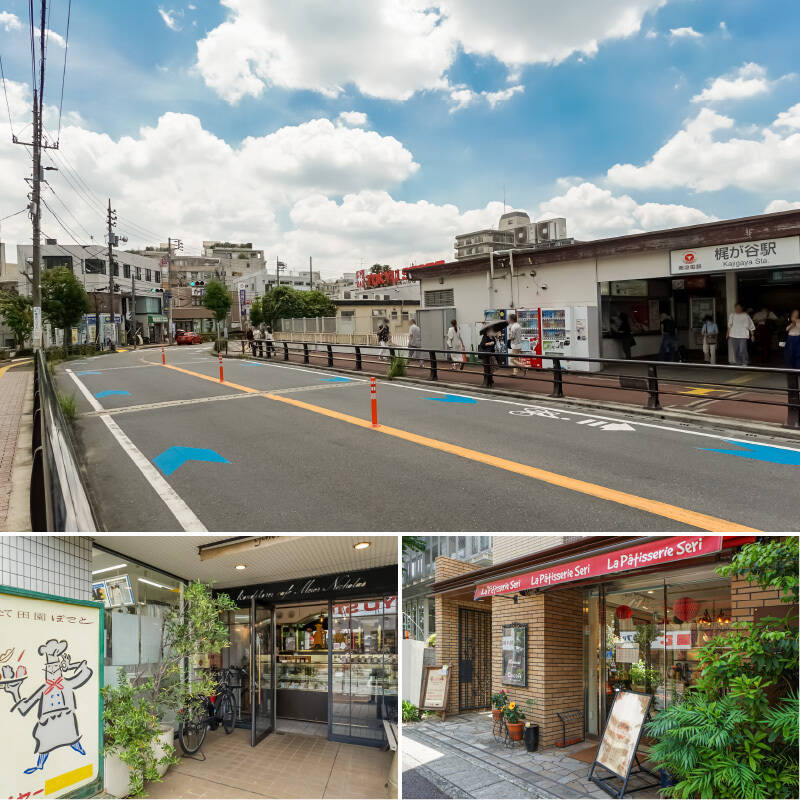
499,702
514,718
531,732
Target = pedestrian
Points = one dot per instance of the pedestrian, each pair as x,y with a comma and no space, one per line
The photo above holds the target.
765,322
515,343
262,335
455,344
669,339
709,333
269,339
488,345
792,353
626,335
251,341
415,343
740,329
383,339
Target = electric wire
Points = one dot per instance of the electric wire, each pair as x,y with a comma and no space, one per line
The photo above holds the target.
64,72
5,92
68,210
3,219
32,27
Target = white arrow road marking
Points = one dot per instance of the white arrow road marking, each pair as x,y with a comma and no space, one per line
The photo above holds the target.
618,426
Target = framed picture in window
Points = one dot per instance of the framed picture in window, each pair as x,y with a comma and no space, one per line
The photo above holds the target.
515,654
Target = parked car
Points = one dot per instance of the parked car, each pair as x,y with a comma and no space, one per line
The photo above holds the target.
188,337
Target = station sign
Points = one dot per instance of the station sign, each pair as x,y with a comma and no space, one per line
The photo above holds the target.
761,254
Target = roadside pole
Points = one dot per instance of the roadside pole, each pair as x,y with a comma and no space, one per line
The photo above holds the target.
111,221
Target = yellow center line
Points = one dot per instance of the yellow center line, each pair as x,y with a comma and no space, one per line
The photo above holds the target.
698,390
6,368
213,379
676,513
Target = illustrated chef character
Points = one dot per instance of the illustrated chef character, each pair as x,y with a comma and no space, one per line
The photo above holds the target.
57,724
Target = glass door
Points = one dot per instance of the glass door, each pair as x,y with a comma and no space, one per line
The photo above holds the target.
262,672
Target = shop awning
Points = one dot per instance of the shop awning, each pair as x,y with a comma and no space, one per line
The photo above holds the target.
648,554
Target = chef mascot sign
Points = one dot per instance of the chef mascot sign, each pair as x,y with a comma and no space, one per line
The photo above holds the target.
51,672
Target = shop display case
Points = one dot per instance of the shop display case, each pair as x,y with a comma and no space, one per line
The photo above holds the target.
302,686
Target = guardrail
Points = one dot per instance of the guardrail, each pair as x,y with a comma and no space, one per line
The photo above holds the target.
58,499
785,393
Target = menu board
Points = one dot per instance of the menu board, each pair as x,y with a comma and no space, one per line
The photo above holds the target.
515,651
435,682
622,732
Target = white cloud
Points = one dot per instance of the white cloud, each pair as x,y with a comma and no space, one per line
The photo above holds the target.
9,21
594,212
781,205
651,34
685,33
170,18
699,158
495,98
462,97
394,48
747,81
353,119
191,7
789,118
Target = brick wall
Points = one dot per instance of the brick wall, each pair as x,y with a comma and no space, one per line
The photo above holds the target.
504,548
747,597
447,623
555,656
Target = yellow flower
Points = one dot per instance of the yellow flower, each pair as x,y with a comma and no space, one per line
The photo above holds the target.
512,706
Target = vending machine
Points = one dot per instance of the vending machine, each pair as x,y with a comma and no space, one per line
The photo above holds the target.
529,321
568,331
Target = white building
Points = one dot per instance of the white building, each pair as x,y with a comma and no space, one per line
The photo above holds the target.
514,229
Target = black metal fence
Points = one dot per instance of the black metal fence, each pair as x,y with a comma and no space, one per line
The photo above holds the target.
58,499
647,377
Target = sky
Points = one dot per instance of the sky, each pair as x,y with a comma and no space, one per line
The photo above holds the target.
367,131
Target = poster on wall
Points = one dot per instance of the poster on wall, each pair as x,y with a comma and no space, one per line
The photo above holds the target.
100,593
622,732
51,671
119,591
515,649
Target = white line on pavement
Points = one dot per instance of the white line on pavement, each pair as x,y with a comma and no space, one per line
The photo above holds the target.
186,518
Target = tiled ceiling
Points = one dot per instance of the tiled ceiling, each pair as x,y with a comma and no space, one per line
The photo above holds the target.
286,558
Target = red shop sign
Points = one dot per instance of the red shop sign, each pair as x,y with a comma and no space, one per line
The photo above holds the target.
661,551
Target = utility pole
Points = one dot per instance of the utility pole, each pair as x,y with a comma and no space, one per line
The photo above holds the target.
278,270
310,274
111,220
178,246
133,304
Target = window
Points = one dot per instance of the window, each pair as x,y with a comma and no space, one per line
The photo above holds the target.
157,276
347,295
51,262
116,270
148,275
394,313
404,315
126,270
387,298
95,266
138,273
439,297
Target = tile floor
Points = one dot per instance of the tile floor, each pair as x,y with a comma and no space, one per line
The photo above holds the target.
284,765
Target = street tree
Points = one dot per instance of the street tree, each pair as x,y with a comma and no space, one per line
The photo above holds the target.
377,268
282,302
317,304
17,311
217,300
64,301
256,313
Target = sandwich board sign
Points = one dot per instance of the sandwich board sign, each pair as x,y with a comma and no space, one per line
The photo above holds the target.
435,683
51,672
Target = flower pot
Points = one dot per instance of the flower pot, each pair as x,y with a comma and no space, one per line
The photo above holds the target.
166,737
116,775
497,714
514,731
531,737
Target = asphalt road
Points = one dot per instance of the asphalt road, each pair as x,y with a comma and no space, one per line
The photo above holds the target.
292,448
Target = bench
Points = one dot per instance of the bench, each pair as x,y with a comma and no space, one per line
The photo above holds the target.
391,736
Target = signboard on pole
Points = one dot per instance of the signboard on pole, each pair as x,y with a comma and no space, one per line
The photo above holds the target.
51,672
37,327
242,302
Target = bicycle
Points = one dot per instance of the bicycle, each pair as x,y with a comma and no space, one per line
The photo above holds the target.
204,713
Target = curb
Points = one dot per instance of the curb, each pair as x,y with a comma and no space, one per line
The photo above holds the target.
717,424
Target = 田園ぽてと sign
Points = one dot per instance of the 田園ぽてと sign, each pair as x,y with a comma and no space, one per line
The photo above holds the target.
660,551
51,671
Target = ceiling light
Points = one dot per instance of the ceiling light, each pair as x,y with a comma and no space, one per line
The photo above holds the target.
108,569
361,545
157,585
241,566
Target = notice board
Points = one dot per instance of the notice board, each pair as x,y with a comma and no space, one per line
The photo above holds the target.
51,672
622,732
435,683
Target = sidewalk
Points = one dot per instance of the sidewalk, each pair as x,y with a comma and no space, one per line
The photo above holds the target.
461,759
16,385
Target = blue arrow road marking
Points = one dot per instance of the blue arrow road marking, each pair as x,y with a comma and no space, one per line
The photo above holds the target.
336,380
251,363
176,457
110,391
453,398
760,452
88,372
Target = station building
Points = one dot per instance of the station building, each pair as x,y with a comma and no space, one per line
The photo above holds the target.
688,272
563,622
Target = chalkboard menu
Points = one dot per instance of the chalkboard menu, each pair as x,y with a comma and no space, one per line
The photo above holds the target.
515,654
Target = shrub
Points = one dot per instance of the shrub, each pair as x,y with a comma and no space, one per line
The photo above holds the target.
499,699
397,368
410,712
67,403
431,641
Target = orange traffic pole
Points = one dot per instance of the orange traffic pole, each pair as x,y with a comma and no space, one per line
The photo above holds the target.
163,357
374,399
220,368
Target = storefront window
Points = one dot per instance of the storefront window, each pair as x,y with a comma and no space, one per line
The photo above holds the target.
364,668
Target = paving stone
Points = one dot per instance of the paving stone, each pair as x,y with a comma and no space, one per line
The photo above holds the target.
504,789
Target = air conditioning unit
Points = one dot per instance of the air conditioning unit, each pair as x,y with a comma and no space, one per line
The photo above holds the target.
551,230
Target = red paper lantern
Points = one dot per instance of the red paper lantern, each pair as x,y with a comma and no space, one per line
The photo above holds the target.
624,612
686,608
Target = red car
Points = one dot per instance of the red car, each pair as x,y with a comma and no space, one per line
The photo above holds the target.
188,337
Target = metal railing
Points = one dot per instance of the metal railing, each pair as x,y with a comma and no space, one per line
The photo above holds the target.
654,385
58,499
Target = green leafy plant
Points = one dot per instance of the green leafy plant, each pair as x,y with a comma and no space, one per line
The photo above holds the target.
397,368
431,641
256,313
217,299
499,699
642,675
410,712
67,403
131,730
17,312
513,713
735,732
64,300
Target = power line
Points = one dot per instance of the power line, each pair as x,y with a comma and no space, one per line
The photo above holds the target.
64,71
5,92
69,211
2,219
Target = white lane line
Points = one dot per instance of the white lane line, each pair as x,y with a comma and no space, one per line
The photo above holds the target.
668,428
186,518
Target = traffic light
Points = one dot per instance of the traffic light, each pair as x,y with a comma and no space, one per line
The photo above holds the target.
116,287
199,283
191,283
